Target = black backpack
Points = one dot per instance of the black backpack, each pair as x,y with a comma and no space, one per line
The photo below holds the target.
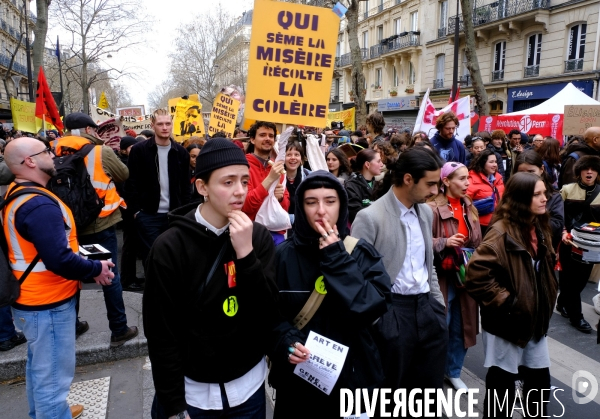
10,288
72,184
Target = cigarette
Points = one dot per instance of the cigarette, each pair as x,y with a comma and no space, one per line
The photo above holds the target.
271,163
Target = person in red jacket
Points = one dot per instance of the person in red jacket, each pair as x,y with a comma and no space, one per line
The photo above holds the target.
262,175
485,186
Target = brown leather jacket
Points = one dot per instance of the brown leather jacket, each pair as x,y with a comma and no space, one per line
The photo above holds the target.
516,294
444,226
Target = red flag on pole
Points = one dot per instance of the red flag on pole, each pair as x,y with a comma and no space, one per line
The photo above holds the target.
454,97
45,107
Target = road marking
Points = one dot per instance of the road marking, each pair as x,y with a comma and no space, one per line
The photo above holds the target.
93,395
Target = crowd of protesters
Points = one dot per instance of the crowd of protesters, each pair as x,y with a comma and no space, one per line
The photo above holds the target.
397,251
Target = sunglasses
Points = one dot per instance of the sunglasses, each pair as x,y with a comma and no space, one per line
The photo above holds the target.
46,150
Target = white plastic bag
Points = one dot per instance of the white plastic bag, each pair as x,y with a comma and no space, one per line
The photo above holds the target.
271,214
316,158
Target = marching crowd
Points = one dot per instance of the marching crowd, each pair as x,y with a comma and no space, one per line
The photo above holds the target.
398,251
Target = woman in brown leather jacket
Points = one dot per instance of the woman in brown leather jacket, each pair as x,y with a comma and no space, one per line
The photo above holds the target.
512,279
455,226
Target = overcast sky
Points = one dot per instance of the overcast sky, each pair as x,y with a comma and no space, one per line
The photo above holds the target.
152,59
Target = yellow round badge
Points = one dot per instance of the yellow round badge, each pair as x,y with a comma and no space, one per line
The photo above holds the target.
320,285
230,306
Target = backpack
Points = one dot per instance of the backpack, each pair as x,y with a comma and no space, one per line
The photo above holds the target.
72,184
574,156
10,288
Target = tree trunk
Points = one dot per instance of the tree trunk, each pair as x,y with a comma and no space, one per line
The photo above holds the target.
357,77
40,31
472,63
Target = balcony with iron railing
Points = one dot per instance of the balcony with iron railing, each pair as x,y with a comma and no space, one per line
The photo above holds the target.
498,10
374,11
498,75
16,67
574,65
438,83
532,71
346,59
465,80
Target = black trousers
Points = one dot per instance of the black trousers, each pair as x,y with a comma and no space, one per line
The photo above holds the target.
129,249
572,280
413,340
500,392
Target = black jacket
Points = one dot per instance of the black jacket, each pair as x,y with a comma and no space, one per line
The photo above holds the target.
143,186
189,334
358,190
358,293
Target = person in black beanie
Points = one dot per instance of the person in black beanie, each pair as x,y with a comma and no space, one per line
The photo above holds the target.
321,257
210,298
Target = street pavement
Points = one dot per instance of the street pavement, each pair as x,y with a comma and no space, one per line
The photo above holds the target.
114,388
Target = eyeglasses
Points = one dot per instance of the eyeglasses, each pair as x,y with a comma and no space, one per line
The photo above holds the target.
46,150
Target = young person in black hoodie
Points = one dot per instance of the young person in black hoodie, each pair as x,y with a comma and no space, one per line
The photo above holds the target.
357,294
210,298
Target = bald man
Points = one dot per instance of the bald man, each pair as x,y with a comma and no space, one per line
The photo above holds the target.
575,151
40,231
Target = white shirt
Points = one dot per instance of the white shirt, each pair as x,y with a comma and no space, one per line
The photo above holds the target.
163,178
207,396
413,277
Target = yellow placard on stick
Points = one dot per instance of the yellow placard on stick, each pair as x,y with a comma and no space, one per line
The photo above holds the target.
23,114
291,62
223,115
187,121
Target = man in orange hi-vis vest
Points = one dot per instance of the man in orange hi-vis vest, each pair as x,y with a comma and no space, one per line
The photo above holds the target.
104,168
41,227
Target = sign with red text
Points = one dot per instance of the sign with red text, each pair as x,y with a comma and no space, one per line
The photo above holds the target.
291,62
578,118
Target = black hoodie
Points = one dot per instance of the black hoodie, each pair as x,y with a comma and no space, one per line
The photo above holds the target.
358,293
189,334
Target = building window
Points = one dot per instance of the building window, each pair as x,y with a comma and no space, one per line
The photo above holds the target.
440,63
366,9
397,26
380,6
365,39
443,18
534,51
378,78
414,21
465,78
336,90
499,55
576,48
337,50
412,77
379,33
395,76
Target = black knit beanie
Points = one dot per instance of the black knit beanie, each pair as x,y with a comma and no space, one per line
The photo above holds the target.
127,141
217,153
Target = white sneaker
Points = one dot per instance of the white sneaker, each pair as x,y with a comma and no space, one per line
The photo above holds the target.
457,383
596,301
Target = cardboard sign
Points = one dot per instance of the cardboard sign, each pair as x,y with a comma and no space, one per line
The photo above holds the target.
187,121
291,63
578,118
224,115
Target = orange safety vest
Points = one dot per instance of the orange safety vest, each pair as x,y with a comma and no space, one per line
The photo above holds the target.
103,184
41,286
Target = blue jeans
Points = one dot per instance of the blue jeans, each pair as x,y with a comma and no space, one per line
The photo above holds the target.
50,359
455,357
149,227
7,327
253,408
113,293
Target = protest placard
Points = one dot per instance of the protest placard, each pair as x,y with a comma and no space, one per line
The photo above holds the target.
187,121
136,123
223,116
291,62
347,117
324,366
23,114
578,118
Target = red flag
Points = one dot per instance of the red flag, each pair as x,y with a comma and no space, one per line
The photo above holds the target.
454,97
45,107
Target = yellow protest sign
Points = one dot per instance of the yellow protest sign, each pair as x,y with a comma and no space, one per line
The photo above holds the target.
223,115
347,117
23,115
103,102
187,121
291,62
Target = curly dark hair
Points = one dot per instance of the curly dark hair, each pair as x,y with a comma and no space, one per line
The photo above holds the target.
377,122
444,118
515,208
254,128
